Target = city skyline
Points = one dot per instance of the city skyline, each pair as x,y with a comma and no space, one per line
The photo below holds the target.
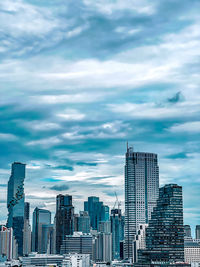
80,79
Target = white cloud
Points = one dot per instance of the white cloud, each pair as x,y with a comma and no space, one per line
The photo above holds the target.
187,127
8,137
71,115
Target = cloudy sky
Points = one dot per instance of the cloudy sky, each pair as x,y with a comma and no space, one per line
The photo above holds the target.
80,78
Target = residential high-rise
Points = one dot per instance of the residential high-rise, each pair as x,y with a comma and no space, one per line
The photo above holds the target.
141,192
41,219
165,233
187,231
117,230
103,247
15,203
97,211
8,245
197,232
64,219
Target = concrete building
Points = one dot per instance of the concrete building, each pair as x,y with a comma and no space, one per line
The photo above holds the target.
192,252
27,230
103,247
8,244
141,192
187,231
139,241
197,232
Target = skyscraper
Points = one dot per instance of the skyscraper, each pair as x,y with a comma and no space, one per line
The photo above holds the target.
97,211
187,231
117,230
27,230
83,222
197,232
141,192
64,219
15,203
41,219
165,233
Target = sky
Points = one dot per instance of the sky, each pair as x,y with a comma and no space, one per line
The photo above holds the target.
80,78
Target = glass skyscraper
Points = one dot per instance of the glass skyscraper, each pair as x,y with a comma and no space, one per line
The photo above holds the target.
15,203
97,211
41,221
64,219
165,233
141,192
117,230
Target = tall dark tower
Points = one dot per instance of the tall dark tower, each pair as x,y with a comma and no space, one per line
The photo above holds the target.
165,233
64,219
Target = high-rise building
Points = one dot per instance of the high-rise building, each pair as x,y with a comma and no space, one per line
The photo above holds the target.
41,220
27,230
141,192
103,247
139,241
83,222
97,211
15,203
197,232
187,231
165,233
64,219
117,230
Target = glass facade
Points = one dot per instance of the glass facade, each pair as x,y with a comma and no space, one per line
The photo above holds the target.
15,203
165,233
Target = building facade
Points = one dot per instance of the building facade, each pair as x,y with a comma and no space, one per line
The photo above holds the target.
64,219
41,221
197,232
139,241
117,230
141,192
15,203
165,233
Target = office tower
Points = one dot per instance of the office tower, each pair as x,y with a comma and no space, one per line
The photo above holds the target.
197,232
27,230
41,219
103,247
15,203
187,231
84,222
117,230
139,241
97,211
165,233
141,192
8,245
76,222
64,219
77,243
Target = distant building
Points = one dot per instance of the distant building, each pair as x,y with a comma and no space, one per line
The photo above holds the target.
117,230
27,230
64,219
103,247
43,260
141,192
192,253
8,244
139,241
77,243
197,232
97,211
15,203
41,224
83,222
105,227
187,231
165,233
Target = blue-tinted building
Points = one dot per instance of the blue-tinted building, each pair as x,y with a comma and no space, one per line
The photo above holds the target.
64,219
97,211
165,233
83,222
41,222
15,203
117,230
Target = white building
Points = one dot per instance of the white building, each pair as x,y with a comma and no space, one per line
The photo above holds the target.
8,244
141,192
139,241
192,253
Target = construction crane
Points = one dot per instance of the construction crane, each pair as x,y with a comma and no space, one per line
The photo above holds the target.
117,202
